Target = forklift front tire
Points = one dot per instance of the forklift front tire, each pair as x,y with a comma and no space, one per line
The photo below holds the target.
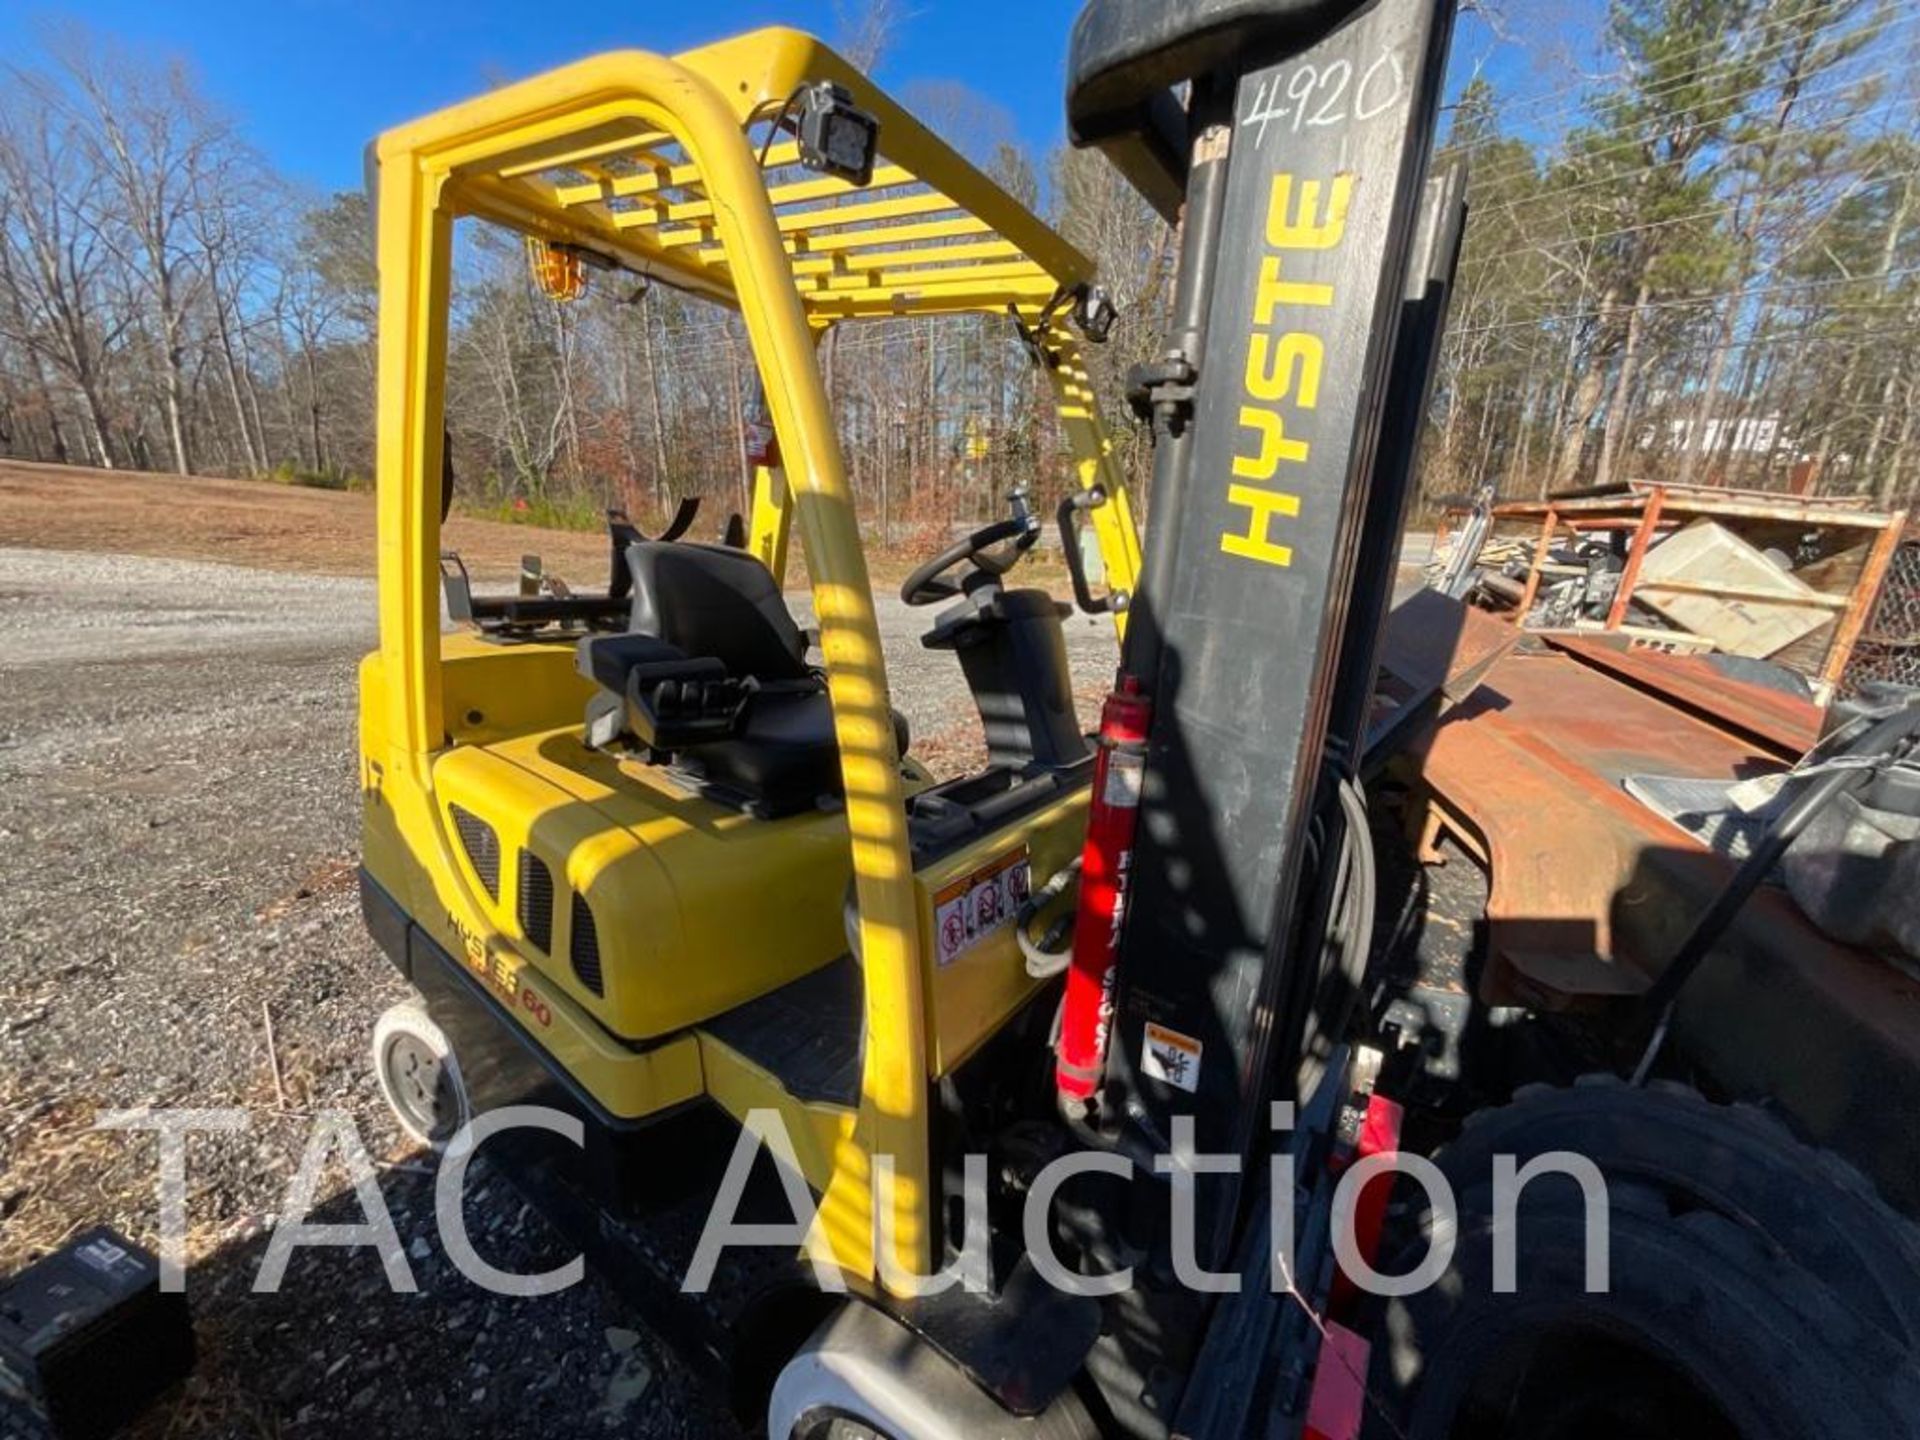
864,1376
1756,1290
419,1075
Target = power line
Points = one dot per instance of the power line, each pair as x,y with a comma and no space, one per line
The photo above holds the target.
1693,302
1526,167
1581,186
1547,97
1713,212
1764,342
1584,107
1525,104
1722,209
1678,355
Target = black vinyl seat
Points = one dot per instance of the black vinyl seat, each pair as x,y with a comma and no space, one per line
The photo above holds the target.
694,605
717,601
785,759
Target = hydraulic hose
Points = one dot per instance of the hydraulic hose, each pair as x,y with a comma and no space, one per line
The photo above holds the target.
1357,931
1879,736
1348,942
1045,959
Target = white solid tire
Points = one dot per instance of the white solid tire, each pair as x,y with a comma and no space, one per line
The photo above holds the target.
408,1025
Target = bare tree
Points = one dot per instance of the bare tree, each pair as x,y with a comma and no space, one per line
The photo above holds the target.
866,29
149,136
56,251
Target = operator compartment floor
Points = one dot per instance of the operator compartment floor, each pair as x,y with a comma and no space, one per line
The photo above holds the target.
806,1034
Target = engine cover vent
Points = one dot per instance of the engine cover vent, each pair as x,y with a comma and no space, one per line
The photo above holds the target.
585,946
482,846
536,901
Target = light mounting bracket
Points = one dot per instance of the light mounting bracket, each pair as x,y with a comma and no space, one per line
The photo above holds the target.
836,136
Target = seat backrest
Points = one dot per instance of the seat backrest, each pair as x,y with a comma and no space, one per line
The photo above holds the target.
717,601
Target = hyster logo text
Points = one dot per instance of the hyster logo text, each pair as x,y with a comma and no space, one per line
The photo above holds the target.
1284,361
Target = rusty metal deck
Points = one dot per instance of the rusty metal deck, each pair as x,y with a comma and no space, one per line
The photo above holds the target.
1590,892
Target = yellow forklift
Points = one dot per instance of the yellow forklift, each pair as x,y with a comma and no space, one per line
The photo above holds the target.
654,850
660,860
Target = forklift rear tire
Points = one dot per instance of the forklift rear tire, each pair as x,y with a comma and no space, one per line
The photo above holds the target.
1732,1308
419,1075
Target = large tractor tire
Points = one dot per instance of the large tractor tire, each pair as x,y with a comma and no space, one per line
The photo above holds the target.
1757,1288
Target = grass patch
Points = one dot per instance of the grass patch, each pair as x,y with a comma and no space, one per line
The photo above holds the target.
287,473
540,512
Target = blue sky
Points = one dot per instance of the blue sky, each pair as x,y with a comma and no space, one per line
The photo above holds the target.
311,81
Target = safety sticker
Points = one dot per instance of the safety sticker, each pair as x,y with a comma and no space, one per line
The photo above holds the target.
1168,1056
1124,774
969,910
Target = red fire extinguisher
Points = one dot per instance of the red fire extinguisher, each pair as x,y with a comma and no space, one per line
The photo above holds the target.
1105,871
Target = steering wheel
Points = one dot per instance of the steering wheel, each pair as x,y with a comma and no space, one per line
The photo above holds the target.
994,550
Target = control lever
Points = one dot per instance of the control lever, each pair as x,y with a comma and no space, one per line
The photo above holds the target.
1113,601
663,697
675,707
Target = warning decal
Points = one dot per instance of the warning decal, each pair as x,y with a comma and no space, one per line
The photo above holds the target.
1124,774
969,910
1170,1057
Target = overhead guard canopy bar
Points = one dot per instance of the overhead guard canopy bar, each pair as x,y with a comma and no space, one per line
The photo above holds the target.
627,188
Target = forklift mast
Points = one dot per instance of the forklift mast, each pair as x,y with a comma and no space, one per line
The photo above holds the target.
1284,444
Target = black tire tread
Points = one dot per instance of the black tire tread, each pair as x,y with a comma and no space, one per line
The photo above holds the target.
1880,1247
1815,1277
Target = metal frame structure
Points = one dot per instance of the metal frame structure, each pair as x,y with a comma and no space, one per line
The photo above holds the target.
671,169
1647,511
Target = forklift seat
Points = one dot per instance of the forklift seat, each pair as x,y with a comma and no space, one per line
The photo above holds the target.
711,603
717,601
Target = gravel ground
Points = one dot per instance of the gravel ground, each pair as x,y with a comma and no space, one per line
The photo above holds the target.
178,810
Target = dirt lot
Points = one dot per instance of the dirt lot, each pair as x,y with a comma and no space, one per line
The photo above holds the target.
245,522
178,811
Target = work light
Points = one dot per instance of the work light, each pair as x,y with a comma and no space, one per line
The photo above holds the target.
1094,313
836,136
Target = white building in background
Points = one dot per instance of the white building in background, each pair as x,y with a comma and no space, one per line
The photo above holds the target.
1731,435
